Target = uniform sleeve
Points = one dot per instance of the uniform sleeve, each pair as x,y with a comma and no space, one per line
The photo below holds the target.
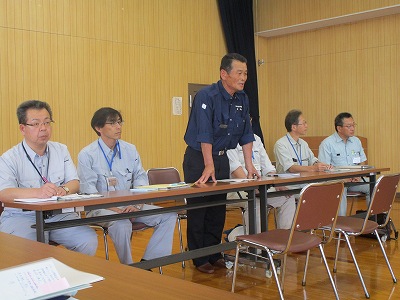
69,167
312,159
362,153
139,175
8,175
283,156
87,176
203,112
265,162
234,160
325,153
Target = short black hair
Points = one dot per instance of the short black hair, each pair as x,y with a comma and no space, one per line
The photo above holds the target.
103,115
339,119
292,118
226,61
32,104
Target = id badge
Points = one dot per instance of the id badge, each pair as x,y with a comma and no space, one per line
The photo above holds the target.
356,160
112,181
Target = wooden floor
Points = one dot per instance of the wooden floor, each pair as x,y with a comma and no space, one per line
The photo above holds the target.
251,280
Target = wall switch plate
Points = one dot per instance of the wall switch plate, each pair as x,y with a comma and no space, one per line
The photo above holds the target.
177,106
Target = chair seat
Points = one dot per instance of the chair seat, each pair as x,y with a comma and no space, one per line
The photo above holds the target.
354,225
355,194
277,240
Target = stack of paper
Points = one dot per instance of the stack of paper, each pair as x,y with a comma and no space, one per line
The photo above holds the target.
160,187
284,175
57,198
43,279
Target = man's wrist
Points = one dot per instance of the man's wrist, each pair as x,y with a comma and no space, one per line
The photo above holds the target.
65,188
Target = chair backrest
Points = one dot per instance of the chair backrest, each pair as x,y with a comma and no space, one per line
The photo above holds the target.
163,175
318,205
383,195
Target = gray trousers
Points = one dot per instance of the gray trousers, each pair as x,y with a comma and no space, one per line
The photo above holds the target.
120,232
79,238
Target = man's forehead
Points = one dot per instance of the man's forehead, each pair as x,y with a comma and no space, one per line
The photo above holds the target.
34,113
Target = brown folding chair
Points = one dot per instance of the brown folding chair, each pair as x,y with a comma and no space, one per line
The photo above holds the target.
381,202
317,207
166,176
354,196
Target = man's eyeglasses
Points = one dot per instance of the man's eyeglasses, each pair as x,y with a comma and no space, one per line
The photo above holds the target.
113,124
46,124
299,124
350,126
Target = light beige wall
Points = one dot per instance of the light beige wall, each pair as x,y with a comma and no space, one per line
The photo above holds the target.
281,13
353,67
133,55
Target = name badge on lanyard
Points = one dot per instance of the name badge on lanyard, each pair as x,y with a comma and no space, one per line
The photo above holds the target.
112,181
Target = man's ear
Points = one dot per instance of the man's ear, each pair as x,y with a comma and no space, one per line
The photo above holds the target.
22,128
223,74
98,129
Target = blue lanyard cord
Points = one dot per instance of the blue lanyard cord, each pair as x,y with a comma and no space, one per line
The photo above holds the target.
298,158
110,162
30,160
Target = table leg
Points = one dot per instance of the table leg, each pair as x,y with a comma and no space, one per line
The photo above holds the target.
40,226
263,207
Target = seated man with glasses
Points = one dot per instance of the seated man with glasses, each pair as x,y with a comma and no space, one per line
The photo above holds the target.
344,149
111,164
39,168
292,153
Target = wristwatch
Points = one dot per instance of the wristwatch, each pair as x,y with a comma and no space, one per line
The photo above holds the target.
66,189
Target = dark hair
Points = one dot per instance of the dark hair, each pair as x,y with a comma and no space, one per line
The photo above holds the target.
292,118
32,104
339,119
103,115
226,61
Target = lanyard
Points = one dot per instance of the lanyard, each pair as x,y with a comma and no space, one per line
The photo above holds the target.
110,162
30,160
298,158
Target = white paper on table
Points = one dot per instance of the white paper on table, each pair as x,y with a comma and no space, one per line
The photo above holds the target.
34,200
43,279
235,180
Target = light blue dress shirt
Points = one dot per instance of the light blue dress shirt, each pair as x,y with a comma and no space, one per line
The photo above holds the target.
334,151
94,169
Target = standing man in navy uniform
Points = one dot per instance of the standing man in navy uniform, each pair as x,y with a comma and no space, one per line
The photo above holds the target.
219,120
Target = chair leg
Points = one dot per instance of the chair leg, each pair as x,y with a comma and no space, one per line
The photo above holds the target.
385,256
356,265
180,239
280,289
235,267
303,283
105,233
337,252
321,249
243,210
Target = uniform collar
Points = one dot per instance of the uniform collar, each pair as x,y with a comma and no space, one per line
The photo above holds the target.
225,94
32,154
338,139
